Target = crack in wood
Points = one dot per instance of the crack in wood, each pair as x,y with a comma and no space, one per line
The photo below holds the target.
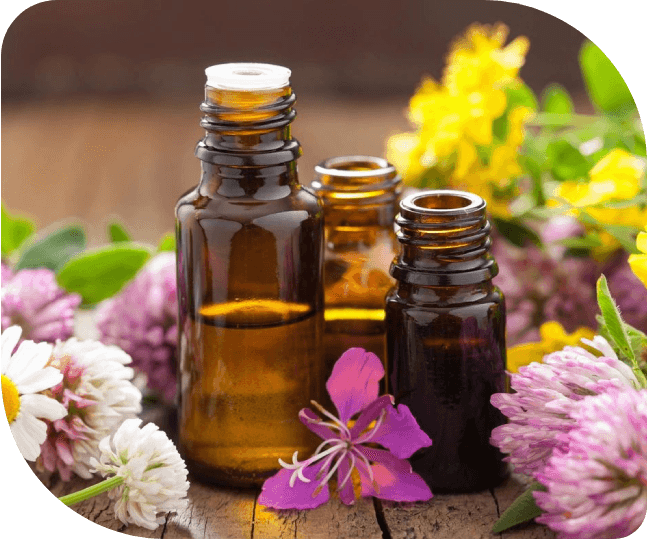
165,523
381,519
254,515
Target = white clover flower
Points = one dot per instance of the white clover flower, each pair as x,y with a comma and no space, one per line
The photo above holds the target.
98,394
24,376
153,475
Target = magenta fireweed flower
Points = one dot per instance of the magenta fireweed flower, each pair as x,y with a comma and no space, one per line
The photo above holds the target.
33,300
142,320
598,488
353,388
547,394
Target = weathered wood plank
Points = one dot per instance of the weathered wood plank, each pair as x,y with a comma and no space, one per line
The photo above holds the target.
332,520
446,516
218,513
213,513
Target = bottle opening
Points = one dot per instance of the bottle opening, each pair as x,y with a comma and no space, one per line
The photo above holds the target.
443,201
355,166
247,76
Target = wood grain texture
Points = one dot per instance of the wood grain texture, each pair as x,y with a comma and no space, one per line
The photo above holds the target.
220,513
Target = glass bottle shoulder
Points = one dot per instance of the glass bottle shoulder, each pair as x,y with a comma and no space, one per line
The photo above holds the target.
241,207
480,297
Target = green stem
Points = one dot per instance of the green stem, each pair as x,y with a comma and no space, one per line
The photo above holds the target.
99,488
543,119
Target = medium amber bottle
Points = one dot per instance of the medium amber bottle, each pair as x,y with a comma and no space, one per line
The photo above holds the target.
360,196
249,250
446,337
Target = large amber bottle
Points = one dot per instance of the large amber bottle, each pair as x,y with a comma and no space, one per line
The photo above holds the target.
360,196
446,337
249,246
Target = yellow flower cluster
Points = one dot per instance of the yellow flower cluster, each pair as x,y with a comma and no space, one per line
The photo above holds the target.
553,338
638,262
454,118
617,177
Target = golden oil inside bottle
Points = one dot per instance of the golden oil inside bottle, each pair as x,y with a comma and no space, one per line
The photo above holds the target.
360,195
250,287
239,370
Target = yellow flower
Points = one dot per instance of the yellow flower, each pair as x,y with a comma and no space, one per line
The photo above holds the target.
454,117
638,263
553,338
478,60
616,177
403,152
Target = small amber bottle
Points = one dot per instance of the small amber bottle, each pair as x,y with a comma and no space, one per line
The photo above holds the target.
250,288
446,337
360,196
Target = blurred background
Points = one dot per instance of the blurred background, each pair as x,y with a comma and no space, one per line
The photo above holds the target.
100,99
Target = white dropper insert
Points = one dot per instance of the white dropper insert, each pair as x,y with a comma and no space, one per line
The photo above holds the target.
247,76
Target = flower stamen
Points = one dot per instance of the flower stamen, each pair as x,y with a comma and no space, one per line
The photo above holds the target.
366,463
10,398
330,473
371,433
353,460
325,412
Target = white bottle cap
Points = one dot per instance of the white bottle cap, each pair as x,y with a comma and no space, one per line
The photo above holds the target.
247,76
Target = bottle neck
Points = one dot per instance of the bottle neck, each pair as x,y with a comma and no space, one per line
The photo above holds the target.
246,128
445,241
358,192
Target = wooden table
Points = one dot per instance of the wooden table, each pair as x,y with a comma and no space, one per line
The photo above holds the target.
220,513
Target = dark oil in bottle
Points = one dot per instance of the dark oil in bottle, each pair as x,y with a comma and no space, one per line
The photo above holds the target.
446,338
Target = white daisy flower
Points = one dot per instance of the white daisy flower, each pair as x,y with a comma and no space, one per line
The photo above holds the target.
153,476
98,393
24,376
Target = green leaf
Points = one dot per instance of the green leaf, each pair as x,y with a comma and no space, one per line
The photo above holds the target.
517,95
516,232
556,99
637,339
100,273
520,95
606,88
612,319
567,162
167,243
54,250
522,510
590,241
15,230
117,233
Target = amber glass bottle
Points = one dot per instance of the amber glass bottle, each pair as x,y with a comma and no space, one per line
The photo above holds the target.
249,246
446,337
360,197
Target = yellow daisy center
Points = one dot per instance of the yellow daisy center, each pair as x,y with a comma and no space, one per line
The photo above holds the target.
10,398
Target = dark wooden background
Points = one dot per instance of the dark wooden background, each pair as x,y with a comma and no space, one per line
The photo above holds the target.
100,99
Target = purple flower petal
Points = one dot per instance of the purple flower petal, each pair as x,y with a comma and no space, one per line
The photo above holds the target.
346,493
400,433
353,384
370,414
393,478
278,494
